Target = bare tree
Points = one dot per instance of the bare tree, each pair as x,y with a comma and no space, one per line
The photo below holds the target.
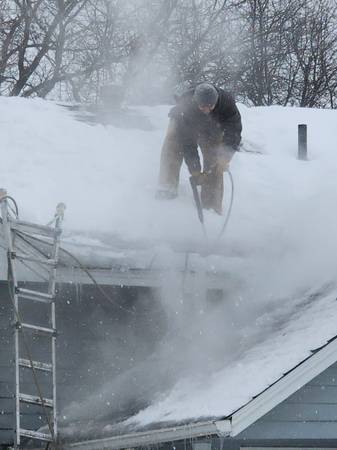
40,40
313,42
10,23
266,51
45,42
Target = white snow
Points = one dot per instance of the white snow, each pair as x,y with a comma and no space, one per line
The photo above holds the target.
258,364
283,228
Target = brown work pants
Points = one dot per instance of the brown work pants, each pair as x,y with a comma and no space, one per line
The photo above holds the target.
214,152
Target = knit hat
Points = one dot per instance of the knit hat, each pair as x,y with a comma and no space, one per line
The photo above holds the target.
205,94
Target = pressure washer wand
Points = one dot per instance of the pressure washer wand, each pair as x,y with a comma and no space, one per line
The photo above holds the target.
196,197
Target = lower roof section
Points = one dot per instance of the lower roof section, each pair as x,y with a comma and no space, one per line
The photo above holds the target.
189,279
144,268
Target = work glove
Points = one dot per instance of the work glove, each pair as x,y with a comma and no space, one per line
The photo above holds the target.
199,177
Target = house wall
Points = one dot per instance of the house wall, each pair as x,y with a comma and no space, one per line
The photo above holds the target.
310,413
6,373
307,419
217,443
95,343
87,324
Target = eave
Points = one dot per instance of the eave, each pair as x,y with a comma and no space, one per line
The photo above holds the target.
156,436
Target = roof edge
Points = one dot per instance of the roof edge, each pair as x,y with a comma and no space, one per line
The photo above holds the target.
237,422
198,429
285,386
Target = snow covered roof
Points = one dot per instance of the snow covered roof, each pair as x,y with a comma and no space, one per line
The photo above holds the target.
241,393
280,244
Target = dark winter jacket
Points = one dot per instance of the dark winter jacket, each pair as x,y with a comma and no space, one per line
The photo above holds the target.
223,124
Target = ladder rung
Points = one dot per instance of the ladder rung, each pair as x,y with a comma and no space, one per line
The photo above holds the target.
36,299
36,435
35,400
32,228
35,295
22,291
46,261
36,364
38,328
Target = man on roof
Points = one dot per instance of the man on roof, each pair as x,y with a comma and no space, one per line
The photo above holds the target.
205,116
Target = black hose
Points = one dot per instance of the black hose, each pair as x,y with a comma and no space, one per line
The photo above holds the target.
199,206
229,211
107,297
8,197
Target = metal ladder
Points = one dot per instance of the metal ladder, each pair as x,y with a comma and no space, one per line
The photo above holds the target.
13,228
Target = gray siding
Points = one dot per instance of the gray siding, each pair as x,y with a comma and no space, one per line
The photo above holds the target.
85,329
310,413
6,374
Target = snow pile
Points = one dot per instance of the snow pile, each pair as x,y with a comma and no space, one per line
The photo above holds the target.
282,229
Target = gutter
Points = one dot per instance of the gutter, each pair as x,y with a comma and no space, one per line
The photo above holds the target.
198,429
